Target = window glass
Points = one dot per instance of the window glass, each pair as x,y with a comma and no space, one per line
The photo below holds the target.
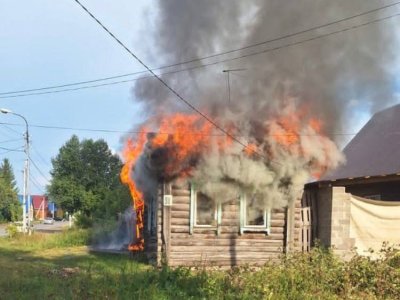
205,210
255,212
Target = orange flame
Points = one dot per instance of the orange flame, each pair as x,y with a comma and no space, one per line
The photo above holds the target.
131,154
287,130
185,137
182,139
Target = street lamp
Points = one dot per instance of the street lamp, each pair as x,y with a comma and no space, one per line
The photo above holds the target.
26,171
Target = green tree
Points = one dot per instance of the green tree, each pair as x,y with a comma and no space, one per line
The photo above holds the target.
85,178
6,172
10,209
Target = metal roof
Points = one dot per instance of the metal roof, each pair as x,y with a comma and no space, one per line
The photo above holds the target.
375,150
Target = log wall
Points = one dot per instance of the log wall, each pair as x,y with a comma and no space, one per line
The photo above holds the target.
228,248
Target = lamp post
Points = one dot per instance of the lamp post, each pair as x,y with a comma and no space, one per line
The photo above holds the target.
26,173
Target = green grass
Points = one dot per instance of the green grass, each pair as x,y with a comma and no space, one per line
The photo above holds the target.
58,266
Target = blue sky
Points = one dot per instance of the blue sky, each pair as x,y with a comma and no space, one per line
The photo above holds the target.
47,42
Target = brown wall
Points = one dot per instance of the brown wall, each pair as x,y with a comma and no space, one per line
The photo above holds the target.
206,247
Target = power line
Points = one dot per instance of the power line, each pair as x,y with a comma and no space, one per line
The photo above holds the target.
36,184
8,151
167,133
181,98
73,89
72,84
12,150
10,129
199,66
39,155
211,63
38,169
9,141
201,58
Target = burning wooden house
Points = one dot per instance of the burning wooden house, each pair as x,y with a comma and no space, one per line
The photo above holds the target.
202,197
358,205
186,227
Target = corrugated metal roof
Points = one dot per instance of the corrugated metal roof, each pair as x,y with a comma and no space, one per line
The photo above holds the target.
375,150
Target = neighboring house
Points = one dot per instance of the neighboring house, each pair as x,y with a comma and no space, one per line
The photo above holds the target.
40,207
358,205
182,230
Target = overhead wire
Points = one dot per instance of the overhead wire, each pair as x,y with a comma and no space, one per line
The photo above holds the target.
10,141
230,59
172,90
197,59
38,169
11,129
12,150
34,181
8,151
208,64
39,155
178,95
166,133
211,63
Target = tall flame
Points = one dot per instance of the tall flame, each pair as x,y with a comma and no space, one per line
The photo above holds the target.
131,154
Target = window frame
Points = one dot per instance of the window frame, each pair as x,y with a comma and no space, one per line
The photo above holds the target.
253,228
193,213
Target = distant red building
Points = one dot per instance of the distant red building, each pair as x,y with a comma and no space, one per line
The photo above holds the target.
40,204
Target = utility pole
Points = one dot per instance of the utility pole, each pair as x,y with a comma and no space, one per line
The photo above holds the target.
27,165
27,198
24,201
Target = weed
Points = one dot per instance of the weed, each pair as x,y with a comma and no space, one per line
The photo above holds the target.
53,266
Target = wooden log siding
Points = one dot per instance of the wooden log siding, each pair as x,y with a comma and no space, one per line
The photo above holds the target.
227,247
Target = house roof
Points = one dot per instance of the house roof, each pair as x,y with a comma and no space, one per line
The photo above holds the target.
375,150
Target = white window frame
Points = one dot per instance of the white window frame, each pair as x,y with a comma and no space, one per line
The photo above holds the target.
253,228
193,213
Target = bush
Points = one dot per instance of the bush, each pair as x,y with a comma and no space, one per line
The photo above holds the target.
318,274
12,230
83,221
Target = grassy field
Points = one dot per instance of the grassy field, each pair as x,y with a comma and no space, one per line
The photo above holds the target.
59,266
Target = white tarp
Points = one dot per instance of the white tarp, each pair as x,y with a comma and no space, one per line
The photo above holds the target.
373,222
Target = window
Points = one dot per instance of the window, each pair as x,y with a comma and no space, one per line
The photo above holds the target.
205,212
205,209
253,214
152,217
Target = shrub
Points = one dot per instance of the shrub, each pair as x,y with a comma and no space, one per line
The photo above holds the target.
12,230
83,221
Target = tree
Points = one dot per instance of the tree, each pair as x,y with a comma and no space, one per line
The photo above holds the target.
85,178
7,174
10,209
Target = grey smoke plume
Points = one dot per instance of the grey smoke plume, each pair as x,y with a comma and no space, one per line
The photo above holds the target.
120,237
331,77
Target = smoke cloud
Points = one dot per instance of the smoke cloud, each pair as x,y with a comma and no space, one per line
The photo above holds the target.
326,79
